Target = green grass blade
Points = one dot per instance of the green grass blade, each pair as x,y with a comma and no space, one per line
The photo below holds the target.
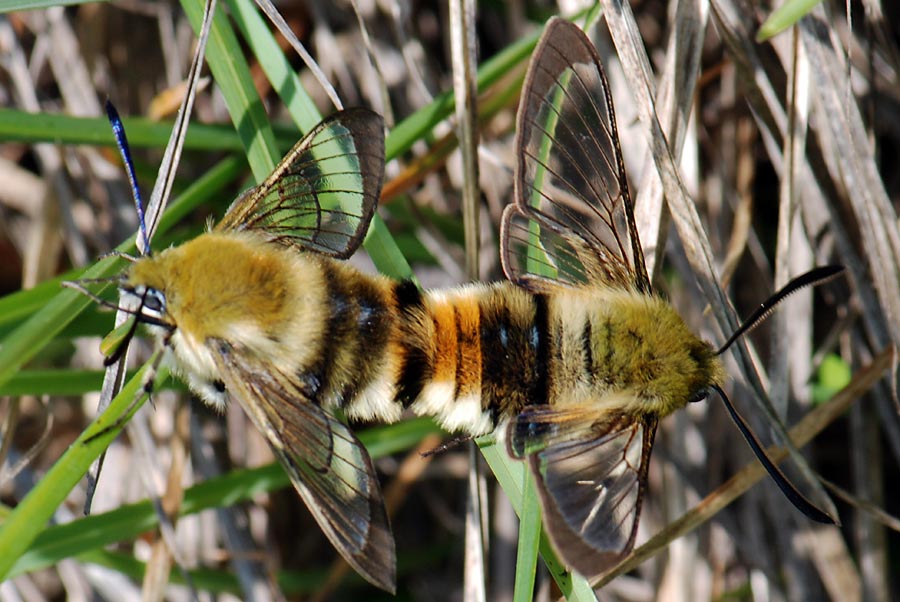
379,243
53,382
128,522
529,541
11,6
511,476
38,330
419,125
30,517
18,306
274,63
231,72
16,125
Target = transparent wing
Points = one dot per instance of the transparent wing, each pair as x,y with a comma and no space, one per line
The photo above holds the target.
591,476
327,464
573,218
323,194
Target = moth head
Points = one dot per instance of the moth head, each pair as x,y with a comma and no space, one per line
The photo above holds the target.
143,301
708,370
150,303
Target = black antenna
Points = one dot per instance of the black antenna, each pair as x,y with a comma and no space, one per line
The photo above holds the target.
787,488
122,141
814,277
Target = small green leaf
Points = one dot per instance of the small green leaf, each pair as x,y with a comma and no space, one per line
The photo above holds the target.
113,340
789,13
833,375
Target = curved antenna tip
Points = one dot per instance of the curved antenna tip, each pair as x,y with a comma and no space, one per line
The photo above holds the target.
814,277
118,129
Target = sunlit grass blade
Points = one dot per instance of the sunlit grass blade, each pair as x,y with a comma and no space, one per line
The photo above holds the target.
511,476
529,541
30,517
231,73
127,522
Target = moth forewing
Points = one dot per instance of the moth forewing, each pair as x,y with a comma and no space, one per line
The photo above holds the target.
327,464
592,491
590,469
569,169
323,194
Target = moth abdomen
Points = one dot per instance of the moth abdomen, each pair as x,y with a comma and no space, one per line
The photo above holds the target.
514,335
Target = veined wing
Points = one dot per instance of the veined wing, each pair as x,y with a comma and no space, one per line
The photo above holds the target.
323,194
329,467
573,218
591,476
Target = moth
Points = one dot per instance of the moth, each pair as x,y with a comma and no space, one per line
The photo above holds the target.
573,359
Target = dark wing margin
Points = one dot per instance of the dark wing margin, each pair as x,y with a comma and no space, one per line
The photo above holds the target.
573,217
591,479
323,194
327,464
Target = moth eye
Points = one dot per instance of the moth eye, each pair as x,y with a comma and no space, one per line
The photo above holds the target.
699,396
154,302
